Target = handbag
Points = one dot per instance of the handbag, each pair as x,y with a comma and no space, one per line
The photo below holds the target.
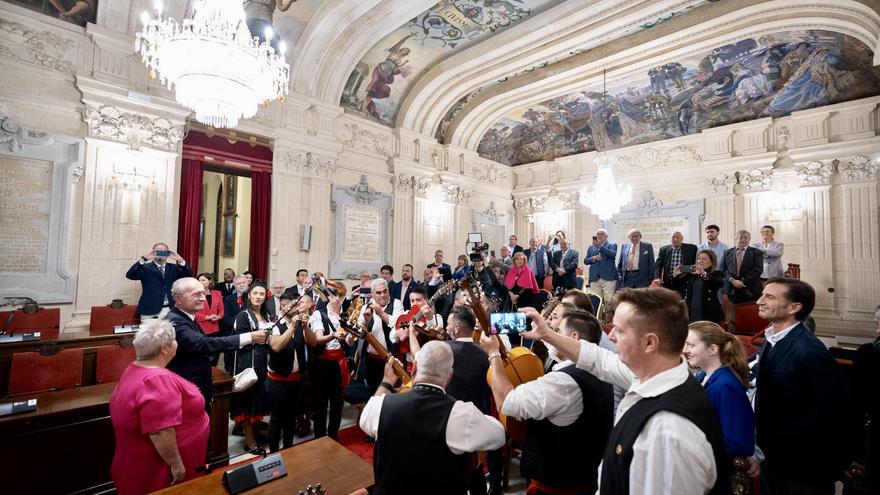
247,377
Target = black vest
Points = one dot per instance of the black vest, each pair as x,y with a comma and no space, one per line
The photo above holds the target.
328,329
687,400
569,456
392,347
411,454
469,368
282,362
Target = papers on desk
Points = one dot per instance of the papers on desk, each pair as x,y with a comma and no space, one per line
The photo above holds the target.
24,406
125,328
19,337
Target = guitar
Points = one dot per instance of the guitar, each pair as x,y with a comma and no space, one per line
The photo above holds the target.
520,364
538,346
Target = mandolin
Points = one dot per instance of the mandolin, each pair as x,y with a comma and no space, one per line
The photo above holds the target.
349,325
520,364
537,346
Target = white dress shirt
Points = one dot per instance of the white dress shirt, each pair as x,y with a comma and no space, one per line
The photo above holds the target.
244,339
671,455
554,396
276,331
317,326
467,430
774,337
376,327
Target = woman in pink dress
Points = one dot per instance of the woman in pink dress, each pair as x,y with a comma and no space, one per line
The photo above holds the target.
159,418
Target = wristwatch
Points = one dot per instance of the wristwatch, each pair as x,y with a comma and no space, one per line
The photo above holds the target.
388,386
494,355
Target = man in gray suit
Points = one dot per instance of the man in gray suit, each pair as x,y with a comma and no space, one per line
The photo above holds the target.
564,264
636,265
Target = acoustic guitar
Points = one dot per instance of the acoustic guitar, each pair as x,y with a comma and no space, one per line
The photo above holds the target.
520,364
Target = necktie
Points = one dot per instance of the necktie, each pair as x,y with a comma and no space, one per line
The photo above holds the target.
676,257
739,259
630,260
162,270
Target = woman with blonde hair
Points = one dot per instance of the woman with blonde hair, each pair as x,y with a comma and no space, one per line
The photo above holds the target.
520,281
724,374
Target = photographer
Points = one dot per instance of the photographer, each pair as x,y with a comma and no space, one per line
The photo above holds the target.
157,270
702,282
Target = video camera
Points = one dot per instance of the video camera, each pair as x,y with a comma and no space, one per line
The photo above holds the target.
479,249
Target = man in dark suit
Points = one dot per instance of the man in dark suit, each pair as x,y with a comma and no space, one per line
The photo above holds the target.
672,255
156,275
303,284
742,267
442,267
401,290
803,410
564,265
226,286
194,349
636,265
513,246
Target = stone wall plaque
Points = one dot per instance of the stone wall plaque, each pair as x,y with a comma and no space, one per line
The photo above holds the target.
37,173
362,218
25,185
657,221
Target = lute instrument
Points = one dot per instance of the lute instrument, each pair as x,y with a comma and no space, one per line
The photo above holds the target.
349,325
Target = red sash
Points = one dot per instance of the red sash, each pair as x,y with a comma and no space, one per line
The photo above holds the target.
293,377
338,356
537,487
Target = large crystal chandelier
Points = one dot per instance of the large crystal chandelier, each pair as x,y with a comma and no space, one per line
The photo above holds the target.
217,68
606,198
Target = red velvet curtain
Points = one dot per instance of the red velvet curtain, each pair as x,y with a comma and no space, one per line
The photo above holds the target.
190,218
261,208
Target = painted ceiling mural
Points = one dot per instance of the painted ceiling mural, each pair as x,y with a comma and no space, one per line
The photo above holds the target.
462,103
379,82
770,76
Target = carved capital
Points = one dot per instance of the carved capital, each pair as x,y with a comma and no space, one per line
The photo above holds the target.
722,183
308,164
815,173
570,200
455,194
529,205
402,183
857,169
111,123
420,186
756,179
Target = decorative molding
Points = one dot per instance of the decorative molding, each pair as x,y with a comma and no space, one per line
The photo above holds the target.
353,136
455,194
657,158
111,123
492,215
570,200
756,179
490,172
529,205
857,169
363,192
308,164
77,172
815,173
722,183
14,135
420,186
649,206
402,183
44,48
782,137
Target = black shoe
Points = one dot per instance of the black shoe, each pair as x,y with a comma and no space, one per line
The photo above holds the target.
238,430
369,439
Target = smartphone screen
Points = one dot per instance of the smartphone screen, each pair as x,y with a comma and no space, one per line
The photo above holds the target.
163,254
507,323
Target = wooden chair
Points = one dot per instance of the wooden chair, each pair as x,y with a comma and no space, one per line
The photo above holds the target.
744,322
34,372
111,362
47,321
104,318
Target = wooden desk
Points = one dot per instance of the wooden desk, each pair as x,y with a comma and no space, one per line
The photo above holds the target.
67,444
323,461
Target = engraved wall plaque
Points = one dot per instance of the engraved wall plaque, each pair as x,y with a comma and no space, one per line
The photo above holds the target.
362,219
25,186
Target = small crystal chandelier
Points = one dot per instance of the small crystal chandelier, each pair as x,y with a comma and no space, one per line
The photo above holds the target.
217,68
607,198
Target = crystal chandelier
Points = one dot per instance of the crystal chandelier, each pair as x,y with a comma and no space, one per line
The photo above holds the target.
607,198
217,68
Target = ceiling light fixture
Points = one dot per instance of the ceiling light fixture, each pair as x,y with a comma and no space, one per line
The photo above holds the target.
216,67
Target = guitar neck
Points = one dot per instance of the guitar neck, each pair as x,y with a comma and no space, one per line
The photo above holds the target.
383,353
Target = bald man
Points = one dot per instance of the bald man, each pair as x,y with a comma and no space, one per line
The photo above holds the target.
676,254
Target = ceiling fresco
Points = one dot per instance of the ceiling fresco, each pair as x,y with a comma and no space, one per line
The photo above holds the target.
463,102
770,76
379,82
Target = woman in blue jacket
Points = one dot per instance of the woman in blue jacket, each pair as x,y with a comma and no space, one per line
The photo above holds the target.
725,375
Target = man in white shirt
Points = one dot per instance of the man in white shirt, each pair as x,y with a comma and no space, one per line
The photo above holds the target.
425,456
672,442
715,245
378,318
303,283
569,414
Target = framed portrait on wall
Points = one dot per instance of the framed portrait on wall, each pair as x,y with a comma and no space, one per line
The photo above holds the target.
229,234
231,191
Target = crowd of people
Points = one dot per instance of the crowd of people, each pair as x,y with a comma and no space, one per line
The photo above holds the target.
657,399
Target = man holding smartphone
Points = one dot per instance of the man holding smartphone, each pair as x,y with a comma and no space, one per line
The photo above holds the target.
157,270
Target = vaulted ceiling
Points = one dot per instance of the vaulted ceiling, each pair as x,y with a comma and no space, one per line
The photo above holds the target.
522,80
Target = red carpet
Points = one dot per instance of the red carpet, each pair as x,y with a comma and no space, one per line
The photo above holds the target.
352,438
